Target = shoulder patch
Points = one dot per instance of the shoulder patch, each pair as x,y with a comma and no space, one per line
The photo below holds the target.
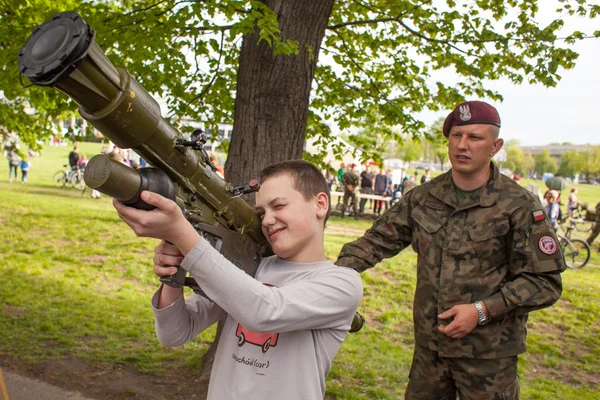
547,245
538,215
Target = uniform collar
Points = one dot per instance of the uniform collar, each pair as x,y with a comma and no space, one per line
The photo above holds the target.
488,194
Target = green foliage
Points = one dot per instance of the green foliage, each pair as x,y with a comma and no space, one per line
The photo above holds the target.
517,161
591,161
377,58
544,163
571,163
437,143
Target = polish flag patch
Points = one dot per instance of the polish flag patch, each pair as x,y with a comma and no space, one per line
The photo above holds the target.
538,215
548,245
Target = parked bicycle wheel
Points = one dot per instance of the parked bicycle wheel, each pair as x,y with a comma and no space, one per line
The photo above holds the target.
576,252
60,179
77,181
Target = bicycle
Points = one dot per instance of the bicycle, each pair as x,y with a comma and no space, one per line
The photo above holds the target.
73,178
77,179
575,251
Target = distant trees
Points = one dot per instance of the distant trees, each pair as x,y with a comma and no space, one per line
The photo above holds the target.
517,161
590,163
586,162
571,163
545,163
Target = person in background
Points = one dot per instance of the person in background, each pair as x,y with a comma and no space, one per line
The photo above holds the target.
25,164
366,186
426,177
408,185
596,227
350,182
389,192
82,162
73,158
572,202
330,179
340,173
553,209
381,185
13,161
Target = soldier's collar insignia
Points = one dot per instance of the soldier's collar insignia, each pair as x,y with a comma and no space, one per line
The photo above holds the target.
538,215
465,113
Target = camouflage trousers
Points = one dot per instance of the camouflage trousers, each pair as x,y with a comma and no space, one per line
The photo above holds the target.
350,196
439,378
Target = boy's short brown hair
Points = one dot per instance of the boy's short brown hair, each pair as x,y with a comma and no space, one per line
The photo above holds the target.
307,179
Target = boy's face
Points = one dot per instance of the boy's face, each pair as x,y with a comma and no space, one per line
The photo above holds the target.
292,225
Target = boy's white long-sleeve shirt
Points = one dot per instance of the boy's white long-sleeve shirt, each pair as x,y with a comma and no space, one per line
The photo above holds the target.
282,329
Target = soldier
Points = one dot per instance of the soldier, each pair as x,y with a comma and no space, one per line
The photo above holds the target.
350,181
487,256
596,229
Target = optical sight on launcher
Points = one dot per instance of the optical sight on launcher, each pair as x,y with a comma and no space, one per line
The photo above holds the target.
61,53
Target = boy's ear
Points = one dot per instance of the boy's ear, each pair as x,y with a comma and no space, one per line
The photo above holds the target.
322,205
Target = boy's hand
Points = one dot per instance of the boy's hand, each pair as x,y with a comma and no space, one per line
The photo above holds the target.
165,222
166,256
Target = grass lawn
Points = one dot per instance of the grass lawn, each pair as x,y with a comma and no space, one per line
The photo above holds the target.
76,286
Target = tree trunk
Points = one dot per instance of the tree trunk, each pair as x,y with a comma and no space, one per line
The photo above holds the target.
271,105
272,98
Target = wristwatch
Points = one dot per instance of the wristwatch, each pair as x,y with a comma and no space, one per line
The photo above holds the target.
482,318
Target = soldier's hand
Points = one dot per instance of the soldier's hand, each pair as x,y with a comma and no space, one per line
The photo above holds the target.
465,320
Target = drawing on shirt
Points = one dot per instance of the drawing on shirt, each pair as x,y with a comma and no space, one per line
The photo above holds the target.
263,340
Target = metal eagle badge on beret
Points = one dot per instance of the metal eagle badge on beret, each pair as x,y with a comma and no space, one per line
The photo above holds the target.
465,112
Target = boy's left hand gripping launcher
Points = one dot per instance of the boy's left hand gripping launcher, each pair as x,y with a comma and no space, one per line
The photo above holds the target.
61,53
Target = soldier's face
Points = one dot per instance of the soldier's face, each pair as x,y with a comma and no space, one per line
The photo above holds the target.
292,225
470,147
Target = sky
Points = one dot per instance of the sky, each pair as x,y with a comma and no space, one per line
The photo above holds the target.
537,116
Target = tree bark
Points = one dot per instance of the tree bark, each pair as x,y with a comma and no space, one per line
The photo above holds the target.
271,105
272,98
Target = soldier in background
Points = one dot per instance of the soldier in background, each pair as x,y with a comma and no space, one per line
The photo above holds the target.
596,229
350,182
487,256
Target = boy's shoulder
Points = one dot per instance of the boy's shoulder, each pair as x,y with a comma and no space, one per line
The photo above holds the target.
287,271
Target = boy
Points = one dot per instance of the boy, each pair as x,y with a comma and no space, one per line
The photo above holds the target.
25,164
282,328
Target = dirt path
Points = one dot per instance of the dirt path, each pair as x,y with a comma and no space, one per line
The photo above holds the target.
22,388
59,379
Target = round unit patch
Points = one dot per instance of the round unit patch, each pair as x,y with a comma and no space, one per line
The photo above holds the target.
548,245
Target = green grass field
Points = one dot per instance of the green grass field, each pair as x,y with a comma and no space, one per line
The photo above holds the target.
76,284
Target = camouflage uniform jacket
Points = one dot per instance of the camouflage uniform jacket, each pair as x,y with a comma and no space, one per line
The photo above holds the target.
497,247
350,178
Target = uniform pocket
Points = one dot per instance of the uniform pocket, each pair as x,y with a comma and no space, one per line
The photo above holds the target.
428,225
489,242
429,222
488,230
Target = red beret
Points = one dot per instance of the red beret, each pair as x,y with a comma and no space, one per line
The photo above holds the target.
471,112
